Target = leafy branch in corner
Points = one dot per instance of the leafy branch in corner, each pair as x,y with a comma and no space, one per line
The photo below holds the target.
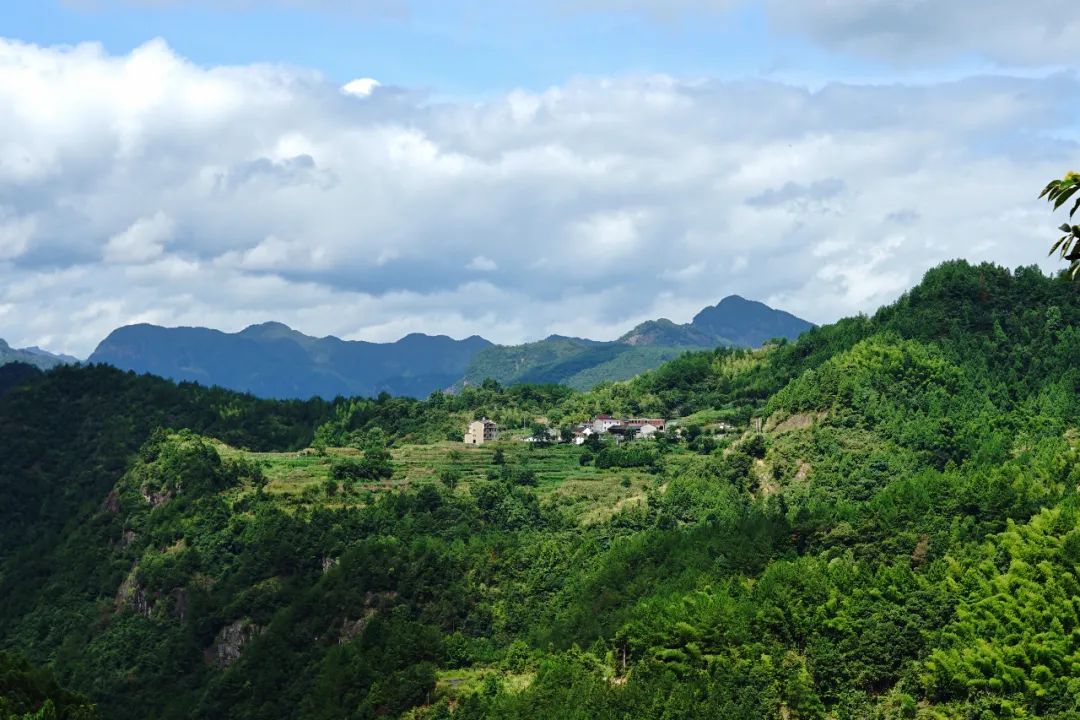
1058,192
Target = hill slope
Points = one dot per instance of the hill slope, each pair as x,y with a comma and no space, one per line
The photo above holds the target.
272,360
900,540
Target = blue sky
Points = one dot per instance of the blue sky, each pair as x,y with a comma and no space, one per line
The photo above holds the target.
457,48
520,169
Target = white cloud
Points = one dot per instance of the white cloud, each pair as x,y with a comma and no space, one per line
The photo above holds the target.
15,236
360,87
481,263
143,241
225,196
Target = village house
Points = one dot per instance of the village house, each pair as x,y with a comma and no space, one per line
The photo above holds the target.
582,433
602,423
657,423
481,431
628,427
647,430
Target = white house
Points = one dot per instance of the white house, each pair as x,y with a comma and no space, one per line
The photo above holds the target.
647,430
602,423
582,433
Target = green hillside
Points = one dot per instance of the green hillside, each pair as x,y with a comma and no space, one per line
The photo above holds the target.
877,520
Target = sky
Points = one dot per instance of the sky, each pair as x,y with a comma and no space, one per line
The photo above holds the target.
371,168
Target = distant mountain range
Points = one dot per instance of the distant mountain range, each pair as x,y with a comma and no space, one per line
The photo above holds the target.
273,360
33,356
580,363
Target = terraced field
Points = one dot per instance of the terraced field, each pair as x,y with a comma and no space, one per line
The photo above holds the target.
587,493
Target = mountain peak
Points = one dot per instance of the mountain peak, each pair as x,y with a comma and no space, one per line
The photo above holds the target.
271,327
268,325
732,321
748,323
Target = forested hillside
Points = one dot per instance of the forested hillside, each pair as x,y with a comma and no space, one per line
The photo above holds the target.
878,520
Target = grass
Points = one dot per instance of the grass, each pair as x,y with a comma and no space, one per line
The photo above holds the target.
460,683
710,419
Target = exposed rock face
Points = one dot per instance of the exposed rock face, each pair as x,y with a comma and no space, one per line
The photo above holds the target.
180,602
230,641
352,628
156,498
131,595
111,504
373,603
796,421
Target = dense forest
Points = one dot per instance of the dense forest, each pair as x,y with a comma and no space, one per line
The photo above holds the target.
877,520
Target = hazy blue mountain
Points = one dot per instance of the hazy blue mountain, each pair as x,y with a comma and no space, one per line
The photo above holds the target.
579,363
33,356
273,360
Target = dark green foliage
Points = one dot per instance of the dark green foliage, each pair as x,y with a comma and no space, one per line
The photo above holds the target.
627,455
28,693
14,374
83,425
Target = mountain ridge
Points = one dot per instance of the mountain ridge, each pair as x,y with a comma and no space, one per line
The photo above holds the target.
41,359
271,359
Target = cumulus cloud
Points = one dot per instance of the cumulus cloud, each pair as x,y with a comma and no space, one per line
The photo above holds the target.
143,188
